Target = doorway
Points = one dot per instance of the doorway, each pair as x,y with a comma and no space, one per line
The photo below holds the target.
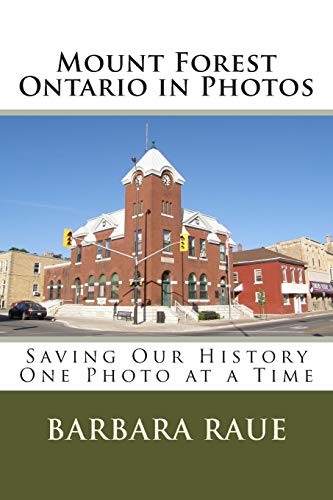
297,304
77,291
166,289
223,292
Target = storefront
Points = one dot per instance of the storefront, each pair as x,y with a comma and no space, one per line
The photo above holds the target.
321,295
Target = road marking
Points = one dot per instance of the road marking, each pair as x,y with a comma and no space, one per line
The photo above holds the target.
299,327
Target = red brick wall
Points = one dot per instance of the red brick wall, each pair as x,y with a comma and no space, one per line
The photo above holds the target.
272,280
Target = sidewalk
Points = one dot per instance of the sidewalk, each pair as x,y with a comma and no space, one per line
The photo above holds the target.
104,324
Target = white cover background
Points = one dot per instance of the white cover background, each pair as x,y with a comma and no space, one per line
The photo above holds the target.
33,34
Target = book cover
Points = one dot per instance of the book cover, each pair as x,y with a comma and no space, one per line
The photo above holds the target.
165,193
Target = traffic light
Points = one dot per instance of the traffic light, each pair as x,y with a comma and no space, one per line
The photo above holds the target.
136,282
67,238
183,243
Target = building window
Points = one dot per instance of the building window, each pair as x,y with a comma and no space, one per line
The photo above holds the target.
313,262
107,252
139,242
203,287
101,286
284,274
3,286
192,287
51,291
0,266
260,296
191,246
300,276
78,253
37,268
5,266
91,288
99,251
258,276
318,262
303,299
331,273
235,277
58,292
292,272
166,207
114,286
202,246
222,252
35,287
166,240
286,300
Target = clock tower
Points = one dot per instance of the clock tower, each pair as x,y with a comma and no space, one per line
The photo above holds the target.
153,208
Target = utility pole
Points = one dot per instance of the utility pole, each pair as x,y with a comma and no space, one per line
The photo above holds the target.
229,278
136,247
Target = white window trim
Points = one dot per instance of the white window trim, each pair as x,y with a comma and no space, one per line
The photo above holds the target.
255,277
286,303
257,296
167,215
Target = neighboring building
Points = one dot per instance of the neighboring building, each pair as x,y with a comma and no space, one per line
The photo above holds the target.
22,276
319,273
277,278
153,210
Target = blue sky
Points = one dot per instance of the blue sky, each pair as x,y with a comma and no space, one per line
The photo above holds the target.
266,178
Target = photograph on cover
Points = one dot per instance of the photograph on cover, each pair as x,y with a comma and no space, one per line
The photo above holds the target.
166,225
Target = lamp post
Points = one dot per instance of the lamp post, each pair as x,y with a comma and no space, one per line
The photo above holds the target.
229,278
136,247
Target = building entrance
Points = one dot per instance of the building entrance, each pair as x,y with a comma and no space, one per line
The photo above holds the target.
223,292
166,289
77,291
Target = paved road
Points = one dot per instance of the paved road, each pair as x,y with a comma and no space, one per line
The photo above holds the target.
301,326
304,326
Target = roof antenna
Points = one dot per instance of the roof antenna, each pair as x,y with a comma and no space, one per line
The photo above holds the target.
146,137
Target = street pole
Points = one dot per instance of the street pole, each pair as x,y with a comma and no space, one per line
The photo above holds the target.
229,280
136,245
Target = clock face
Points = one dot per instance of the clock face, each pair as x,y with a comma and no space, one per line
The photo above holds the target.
166,179
139,179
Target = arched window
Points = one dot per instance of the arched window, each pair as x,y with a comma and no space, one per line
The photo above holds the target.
192,286
101,285
203,287
51,291
58,295
115,286
91,288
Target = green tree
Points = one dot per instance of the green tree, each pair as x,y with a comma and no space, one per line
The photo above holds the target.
18,249
262,301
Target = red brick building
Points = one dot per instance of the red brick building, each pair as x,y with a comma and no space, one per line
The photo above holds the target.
98,275
278,279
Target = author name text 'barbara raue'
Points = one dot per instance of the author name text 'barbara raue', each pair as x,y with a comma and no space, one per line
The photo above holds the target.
157,429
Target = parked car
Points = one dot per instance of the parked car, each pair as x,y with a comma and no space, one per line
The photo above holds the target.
27,310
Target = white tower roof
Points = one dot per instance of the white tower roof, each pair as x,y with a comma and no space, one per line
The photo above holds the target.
153,162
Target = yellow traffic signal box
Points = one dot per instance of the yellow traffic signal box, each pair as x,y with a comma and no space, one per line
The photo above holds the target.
67,238
183,243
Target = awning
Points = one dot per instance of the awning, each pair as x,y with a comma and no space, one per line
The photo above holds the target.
321,288
238,288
